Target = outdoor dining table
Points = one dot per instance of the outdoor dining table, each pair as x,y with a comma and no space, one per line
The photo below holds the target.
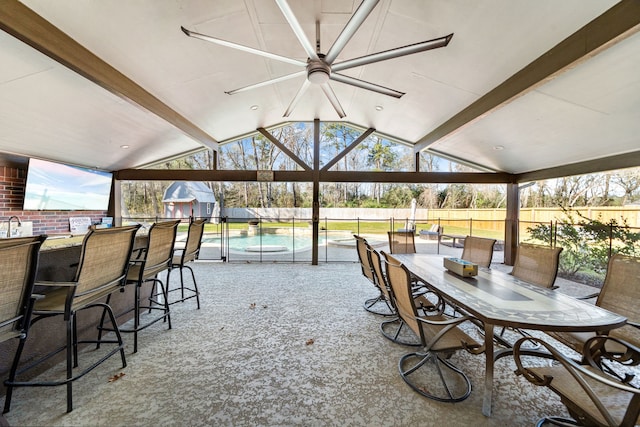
499,299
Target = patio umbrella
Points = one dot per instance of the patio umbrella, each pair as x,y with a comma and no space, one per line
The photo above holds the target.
412,219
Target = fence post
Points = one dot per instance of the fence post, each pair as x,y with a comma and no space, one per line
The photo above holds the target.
610,240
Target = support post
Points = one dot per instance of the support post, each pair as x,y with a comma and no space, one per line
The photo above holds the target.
115,202
315,214
511,224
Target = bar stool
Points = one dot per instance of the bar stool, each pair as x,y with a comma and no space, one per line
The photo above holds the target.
102,269
181,257
18,265
147,263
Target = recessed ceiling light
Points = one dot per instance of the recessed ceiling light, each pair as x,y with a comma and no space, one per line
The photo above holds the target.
379,108
253,107
498,147
124,147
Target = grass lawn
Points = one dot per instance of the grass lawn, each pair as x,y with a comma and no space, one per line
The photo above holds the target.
355,227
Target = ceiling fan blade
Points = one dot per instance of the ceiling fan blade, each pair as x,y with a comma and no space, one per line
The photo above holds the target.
267,82
294,101
366,85
350,29
333,99
297,29
243,48
392,53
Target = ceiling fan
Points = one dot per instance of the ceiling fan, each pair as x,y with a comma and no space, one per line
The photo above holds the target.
320,68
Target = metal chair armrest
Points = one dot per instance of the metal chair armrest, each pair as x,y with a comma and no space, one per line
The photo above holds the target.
574,368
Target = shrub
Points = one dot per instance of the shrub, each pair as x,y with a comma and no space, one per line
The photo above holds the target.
588,243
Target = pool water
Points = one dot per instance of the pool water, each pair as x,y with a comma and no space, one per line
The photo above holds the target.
286,242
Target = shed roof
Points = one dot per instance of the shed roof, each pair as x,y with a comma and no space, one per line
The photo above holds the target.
188,191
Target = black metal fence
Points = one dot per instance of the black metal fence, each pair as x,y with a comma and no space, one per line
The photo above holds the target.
587,245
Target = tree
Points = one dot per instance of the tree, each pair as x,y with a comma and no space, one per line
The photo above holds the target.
381,157
629,181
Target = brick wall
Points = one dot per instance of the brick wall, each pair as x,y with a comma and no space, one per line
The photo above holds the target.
12,185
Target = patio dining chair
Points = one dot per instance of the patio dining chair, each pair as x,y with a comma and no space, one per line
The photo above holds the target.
592,397
18,265
429,372
377,305
395,328
381,281
402,242
181,259
537,264
620,294
478,250
146,264
102,269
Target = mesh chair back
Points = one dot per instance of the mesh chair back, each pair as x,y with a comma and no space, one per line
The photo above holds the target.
194,240
402,242
621,293
381,280
104,260
18,265
363,256
478,250
162,236
537,264
399,279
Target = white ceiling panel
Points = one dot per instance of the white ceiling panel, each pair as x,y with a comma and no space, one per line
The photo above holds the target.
55,113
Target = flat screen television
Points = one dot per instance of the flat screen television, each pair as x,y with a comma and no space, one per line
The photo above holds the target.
60,187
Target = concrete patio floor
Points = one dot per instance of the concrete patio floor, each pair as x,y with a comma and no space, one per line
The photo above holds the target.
274,345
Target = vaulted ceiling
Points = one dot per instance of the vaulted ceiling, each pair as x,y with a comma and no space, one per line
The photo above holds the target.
533,88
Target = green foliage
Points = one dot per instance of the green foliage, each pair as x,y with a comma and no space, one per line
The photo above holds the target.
587,242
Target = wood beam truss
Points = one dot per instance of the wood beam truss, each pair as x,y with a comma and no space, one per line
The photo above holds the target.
308,176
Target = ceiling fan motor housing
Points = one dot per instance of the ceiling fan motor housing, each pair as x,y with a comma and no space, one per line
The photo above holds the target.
318,72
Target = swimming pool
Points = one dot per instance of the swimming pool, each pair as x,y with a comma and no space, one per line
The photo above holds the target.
268,242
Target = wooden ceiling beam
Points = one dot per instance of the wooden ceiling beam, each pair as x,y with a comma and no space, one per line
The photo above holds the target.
29,27
307,176
620,161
